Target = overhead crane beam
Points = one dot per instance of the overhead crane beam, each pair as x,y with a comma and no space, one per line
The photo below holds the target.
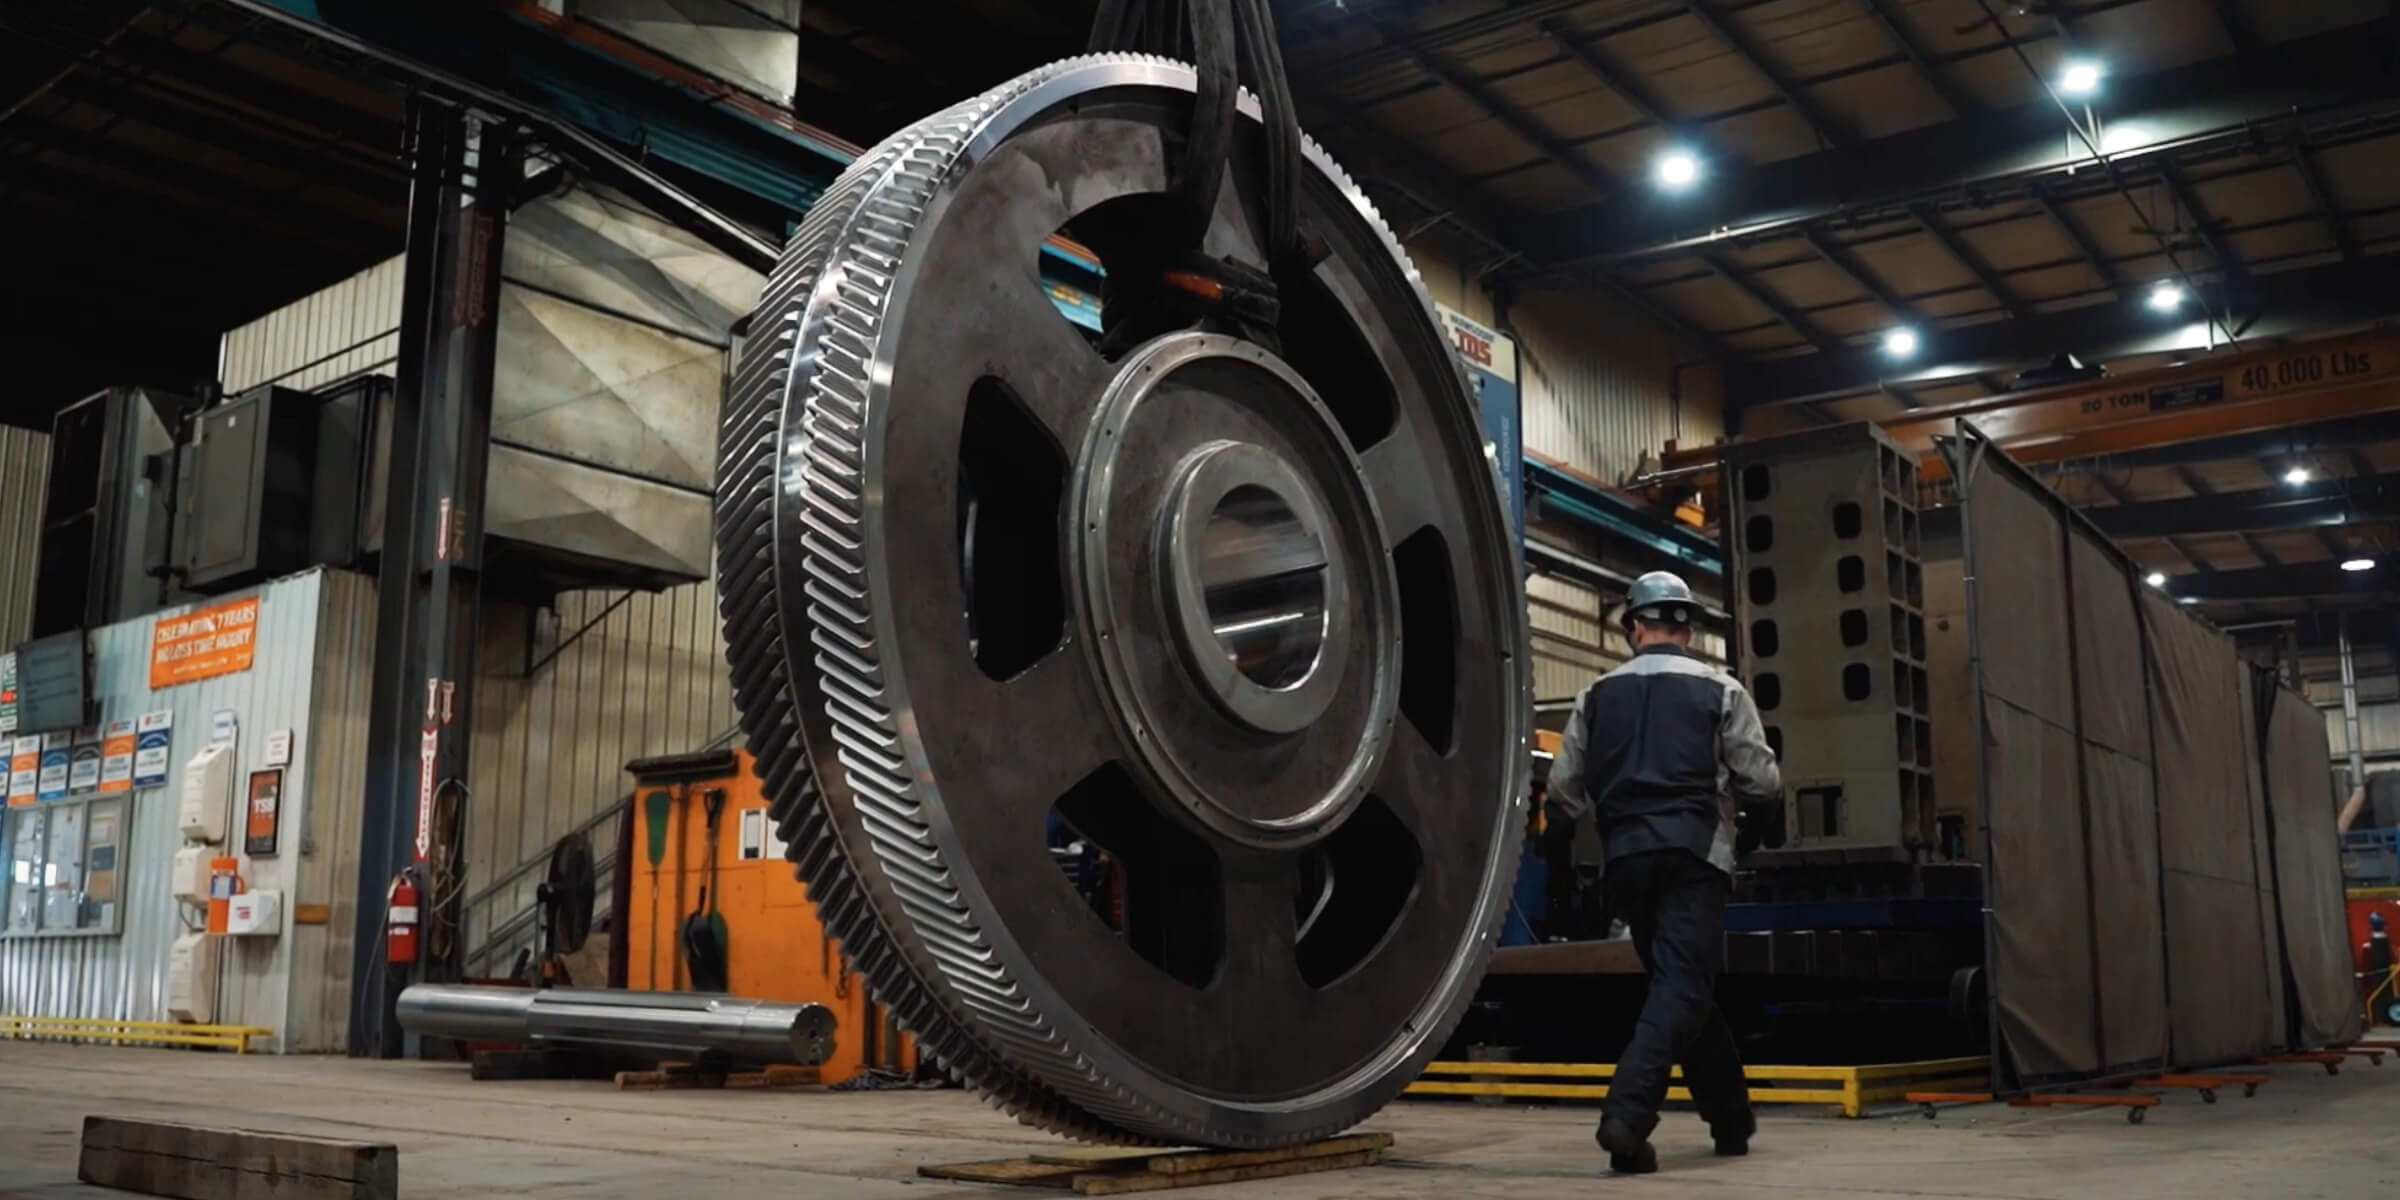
2290,581
2251,394
2370,498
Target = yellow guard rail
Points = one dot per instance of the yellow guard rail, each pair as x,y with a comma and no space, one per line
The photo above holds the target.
133,1033
1848,1089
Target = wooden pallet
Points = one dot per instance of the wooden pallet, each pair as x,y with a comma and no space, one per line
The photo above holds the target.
1122,1172
687,1075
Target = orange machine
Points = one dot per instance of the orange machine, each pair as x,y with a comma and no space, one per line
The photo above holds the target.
710,904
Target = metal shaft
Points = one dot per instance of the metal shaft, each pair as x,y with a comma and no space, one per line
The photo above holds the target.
2358,753
765,1031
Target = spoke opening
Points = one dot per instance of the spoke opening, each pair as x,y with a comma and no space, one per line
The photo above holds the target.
1155,883
1354,887
1012,479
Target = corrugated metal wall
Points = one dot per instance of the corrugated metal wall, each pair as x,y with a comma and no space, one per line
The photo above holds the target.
1598,384
624,319
24,474
1598,379
639,675
336,756
1572,642
351,328
123,977
2378,730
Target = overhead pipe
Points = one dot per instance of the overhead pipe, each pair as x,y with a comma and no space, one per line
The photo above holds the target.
689,1024
2358,754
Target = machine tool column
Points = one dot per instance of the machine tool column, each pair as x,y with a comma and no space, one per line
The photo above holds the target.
463,172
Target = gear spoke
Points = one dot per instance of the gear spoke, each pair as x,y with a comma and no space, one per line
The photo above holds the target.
1049,365
1052,703
1395,471
1430,792
1262,963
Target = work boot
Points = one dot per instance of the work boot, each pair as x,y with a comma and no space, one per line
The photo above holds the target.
1733,1136
1629,1153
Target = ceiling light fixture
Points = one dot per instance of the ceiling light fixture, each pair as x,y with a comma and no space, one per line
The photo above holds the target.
2356,565
2166,297
2296,476
2080,78
2156,579
1900,343
1677,170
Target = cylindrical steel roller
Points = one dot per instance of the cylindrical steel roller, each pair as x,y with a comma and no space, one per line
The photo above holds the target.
763,1031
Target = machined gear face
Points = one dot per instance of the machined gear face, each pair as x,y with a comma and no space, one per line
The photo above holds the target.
1247,620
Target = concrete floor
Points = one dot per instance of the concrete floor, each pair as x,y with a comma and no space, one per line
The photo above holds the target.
2306,1135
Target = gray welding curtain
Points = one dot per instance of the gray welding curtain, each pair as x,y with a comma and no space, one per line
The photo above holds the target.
2223,944
2323,1007
2078,964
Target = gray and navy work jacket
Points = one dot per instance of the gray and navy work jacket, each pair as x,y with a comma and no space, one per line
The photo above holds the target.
1666,749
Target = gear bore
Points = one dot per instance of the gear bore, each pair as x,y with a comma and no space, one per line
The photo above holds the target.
1228,592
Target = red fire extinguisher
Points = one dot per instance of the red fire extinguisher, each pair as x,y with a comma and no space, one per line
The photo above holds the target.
400,921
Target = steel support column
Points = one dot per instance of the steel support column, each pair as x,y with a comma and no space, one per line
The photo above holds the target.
428,585
2358,754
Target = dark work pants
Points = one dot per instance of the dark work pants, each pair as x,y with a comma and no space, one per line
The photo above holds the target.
1675,904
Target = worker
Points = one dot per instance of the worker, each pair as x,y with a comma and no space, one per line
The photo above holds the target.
1668,755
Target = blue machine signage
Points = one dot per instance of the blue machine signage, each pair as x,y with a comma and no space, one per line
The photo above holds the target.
1491,359
53,778
153,735
83,767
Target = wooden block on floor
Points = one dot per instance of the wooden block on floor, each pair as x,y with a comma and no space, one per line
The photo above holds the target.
509,1065
1095,1157
190,1162
1114,1172
1127,1183
1022,1172
1218,1160
776,1077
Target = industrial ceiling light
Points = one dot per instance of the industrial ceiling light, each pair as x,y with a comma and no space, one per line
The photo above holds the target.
2166,297
2296,476
1901,342
2080,78
2355,565
2156,579
1677,170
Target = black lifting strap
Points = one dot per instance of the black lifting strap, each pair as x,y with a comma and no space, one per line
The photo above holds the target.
1226,41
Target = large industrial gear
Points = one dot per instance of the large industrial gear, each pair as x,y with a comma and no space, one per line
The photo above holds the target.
1247,619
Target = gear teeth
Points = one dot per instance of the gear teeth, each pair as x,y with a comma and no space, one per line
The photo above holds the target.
748,474
792,566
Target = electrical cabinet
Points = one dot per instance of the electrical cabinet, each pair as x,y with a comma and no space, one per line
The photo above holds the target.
108,511
250,508
193,965
206,796
188,876
254,914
